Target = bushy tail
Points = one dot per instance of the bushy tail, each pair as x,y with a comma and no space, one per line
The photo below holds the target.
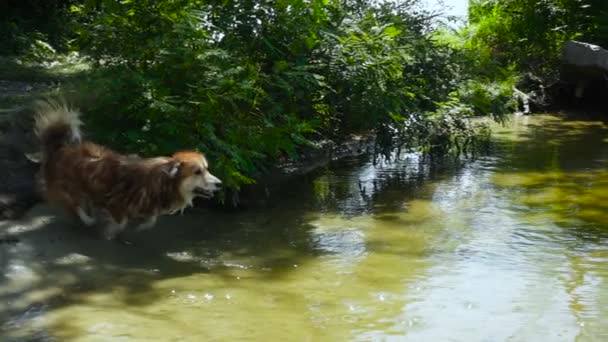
56,125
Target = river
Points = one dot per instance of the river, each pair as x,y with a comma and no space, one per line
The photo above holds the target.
512,246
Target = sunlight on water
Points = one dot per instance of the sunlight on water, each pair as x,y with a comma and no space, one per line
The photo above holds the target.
512,246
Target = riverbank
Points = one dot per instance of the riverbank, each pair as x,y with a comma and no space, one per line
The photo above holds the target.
18,192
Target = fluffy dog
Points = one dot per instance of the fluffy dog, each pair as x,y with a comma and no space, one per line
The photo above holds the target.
97,185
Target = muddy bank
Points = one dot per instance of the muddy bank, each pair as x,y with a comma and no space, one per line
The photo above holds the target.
311,159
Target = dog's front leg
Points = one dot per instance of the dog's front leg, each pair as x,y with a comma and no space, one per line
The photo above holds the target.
85,218
147,224
113,228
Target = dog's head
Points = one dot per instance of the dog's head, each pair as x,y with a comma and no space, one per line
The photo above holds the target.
194,177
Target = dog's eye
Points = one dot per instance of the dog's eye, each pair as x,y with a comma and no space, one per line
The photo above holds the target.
198,172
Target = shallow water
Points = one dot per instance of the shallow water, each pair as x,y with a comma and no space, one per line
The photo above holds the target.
513,246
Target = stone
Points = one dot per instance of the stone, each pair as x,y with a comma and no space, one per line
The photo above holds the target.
583,64
19,190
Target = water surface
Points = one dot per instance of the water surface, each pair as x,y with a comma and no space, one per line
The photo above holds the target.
511,246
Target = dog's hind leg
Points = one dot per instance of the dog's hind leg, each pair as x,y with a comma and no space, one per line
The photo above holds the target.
57,194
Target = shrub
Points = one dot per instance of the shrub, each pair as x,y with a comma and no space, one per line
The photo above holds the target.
250,83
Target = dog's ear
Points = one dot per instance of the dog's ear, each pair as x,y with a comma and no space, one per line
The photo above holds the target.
172,168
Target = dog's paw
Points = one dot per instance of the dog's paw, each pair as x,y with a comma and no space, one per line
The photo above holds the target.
125,242
149,223
106,235
111,230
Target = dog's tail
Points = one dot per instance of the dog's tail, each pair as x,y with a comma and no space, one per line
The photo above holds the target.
56,124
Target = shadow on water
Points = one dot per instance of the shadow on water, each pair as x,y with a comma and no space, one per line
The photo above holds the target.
559,167
57,265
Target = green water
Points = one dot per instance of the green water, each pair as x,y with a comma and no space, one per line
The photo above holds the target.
509,247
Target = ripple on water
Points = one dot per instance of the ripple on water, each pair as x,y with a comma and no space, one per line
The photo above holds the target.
340,242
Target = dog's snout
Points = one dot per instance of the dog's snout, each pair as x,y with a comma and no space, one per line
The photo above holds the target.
211,179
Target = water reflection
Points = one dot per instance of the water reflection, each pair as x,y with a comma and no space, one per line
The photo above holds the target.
507,247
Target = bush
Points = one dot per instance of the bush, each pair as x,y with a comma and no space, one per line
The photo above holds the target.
529,34
34,27
250,83
494,99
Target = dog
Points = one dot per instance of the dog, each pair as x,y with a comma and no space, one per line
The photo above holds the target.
96,185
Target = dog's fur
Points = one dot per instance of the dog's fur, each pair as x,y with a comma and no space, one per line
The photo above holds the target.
96,184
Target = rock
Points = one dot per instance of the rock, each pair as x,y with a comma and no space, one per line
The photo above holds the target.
583,65
18,148
18,190
523,99
585,55
322,153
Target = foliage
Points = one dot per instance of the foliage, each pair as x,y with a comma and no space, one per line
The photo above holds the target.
253,82
34,28
529,34
489,98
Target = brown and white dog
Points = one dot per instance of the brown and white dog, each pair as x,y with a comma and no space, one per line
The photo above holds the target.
97,185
